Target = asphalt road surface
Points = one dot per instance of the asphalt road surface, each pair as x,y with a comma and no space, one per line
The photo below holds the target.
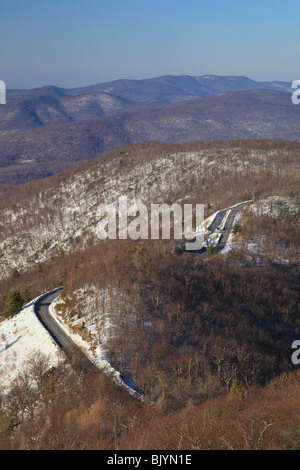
217,220
229,225
72,351
79,361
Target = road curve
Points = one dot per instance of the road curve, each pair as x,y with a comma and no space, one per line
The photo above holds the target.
217,221
72,351
77,358
229,225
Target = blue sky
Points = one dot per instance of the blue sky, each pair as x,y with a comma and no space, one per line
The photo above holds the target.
76,43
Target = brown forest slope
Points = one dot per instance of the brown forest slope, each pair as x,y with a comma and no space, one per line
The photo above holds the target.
206,338
45,150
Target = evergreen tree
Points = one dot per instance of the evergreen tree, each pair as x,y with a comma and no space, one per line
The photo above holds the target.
13,303
26,295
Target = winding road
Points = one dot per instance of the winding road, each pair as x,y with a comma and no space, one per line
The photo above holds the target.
229,224
72,351
79,361
217,221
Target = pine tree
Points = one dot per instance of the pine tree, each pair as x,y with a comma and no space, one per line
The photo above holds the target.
26,295
13,303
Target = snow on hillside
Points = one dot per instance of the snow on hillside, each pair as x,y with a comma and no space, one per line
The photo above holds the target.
22,337
96,309
230,242
92,307
275,205
64,217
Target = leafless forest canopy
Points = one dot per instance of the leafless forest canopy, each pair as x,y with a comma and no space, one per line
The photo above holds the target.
205,339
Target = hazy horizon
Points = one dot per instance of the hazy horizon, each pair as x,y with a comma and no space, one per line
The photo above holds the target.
70,44
145,78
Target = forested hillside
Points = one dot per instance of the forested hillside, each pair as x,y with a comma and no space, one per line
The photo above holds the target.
46,130
205,338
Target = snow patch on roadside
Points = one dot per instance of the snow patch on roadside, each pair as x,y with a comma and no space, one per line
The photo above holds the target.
230,243
21,337
98,324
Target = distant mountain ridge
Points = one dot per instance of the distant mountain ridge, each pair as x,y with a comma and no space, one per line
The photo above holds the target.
44,130
164,89
50,105
170,89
